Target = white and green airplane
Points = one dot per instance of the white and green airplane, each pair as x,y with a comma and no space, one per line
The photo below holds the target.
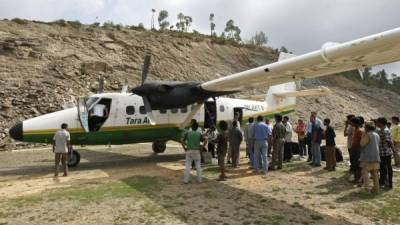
159,111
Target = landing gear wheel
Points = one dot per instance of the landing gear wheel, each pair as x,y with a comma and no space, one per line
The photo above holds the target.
74,159
159,146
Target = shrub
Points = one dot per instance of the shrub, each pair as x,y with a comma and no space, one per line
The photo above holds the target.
19,21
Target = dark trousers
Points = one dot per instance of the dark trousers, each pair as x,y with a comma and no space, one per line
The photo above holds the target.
211,148
386,171
287,153
308,142
355,164
302,147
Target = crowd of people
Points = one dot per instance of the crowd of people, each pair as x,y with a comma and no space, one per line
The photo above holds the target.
371,145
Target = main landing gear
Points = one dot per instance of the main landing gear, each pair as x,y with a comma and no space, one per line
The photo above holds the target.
74,158
159,146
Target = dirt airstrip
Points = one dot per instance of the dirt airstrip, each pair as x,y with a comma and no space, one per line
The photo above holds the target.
130,185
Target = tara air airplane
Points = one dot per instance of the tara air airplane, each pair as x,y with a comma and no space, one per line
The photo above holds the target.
159,111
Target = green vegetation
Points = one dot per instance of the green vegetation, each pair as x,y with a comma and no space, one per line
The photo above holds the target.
130,187
20,21
259,39
162,19
380,79
232,31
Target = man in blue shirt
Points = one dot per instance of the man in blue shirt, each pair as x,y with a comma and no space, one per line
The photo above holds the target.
308,133
261,133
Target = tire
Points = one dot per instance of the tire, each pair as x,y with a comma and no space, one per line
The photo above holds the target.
159,146
74,159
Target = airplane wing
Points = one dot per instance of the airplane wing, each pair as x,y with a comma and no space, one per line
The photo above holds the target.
332,58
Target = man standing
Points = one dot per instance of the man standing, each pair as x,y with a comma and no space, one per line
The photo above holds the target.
235,138
301,130
316,137
288,139
348,132
191,143
61,147
278,141
236,117
330,152
212,134
396,139
356,122
261,133
269,125
385,151
314,116
248,137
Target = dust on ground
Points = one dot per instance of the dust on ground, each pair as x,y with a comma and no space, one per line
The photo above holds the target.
131,185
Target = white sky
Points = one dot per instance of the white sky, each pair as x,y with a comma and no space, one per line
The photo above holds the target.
300,25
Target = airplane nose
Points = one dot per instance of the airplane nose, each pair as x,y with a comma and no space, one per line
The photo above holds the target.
16,132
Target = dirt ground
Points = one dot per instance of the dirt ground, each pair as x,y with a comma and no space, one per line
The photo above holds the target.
130,185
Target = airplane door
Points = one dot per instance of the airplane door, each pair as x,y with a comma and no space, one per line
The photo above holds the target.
240,112
210,114
83,114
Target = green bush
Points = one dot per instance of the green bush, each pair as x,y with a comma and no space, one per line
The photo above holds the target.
20,21
60,22
75,24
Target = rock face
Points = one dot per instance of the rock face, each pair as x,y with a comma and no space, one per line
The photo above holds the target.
45,66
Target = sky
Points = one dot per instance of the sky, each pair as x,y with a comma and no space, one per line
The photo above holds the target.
300,25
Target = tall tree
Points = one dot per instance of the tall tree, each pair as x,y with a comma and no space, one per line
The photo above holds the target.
162,19
180,25
152,18
188,22
212,24
259,39
233,32
284,49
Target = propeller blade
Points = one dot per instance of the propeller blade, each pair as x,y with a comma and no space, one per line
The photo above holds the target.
148,109
145,69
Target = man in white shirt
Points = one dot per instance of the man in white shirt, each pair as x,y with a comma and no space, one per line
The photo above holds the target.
98,116
288,139
61,147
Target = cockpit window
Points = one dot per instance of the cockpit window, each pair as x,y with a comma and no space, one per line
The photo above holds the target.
90,102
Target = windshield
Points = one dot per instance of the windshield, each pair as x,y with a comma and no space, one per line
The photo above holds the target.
90,102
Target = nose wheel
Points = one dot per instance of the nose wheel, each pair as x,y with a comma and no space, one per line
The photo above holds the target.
159,146
74,158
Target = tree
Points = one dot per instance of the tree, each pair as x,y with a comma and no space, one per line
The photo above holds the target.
152,18
188,22
212,24
141,26
284,49
259,39
180,25
162,19
233,32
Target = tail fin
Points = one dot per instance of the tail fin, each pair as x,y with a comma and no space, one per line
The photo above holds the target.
273,100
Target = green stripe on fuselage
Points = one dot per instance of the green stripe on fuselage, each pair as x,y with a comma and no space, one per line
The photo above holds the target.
123,136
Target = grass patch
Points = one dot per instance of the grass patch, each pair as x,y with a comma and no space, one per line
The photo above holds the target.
295,167
130,187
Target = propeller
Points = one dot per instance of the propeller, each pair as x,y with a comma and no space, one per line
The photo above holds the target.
146,102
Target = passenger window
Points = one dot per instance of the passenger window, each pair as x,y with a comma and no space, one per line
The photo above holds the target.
163,111
130,110
142,109
184,110
221,108
174,110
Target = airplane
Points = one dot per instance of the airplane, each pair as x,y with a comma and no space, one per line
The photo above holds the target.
159,111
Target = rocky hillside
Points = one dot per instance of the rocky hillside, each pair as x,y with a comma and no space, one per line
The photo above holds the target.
44,66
